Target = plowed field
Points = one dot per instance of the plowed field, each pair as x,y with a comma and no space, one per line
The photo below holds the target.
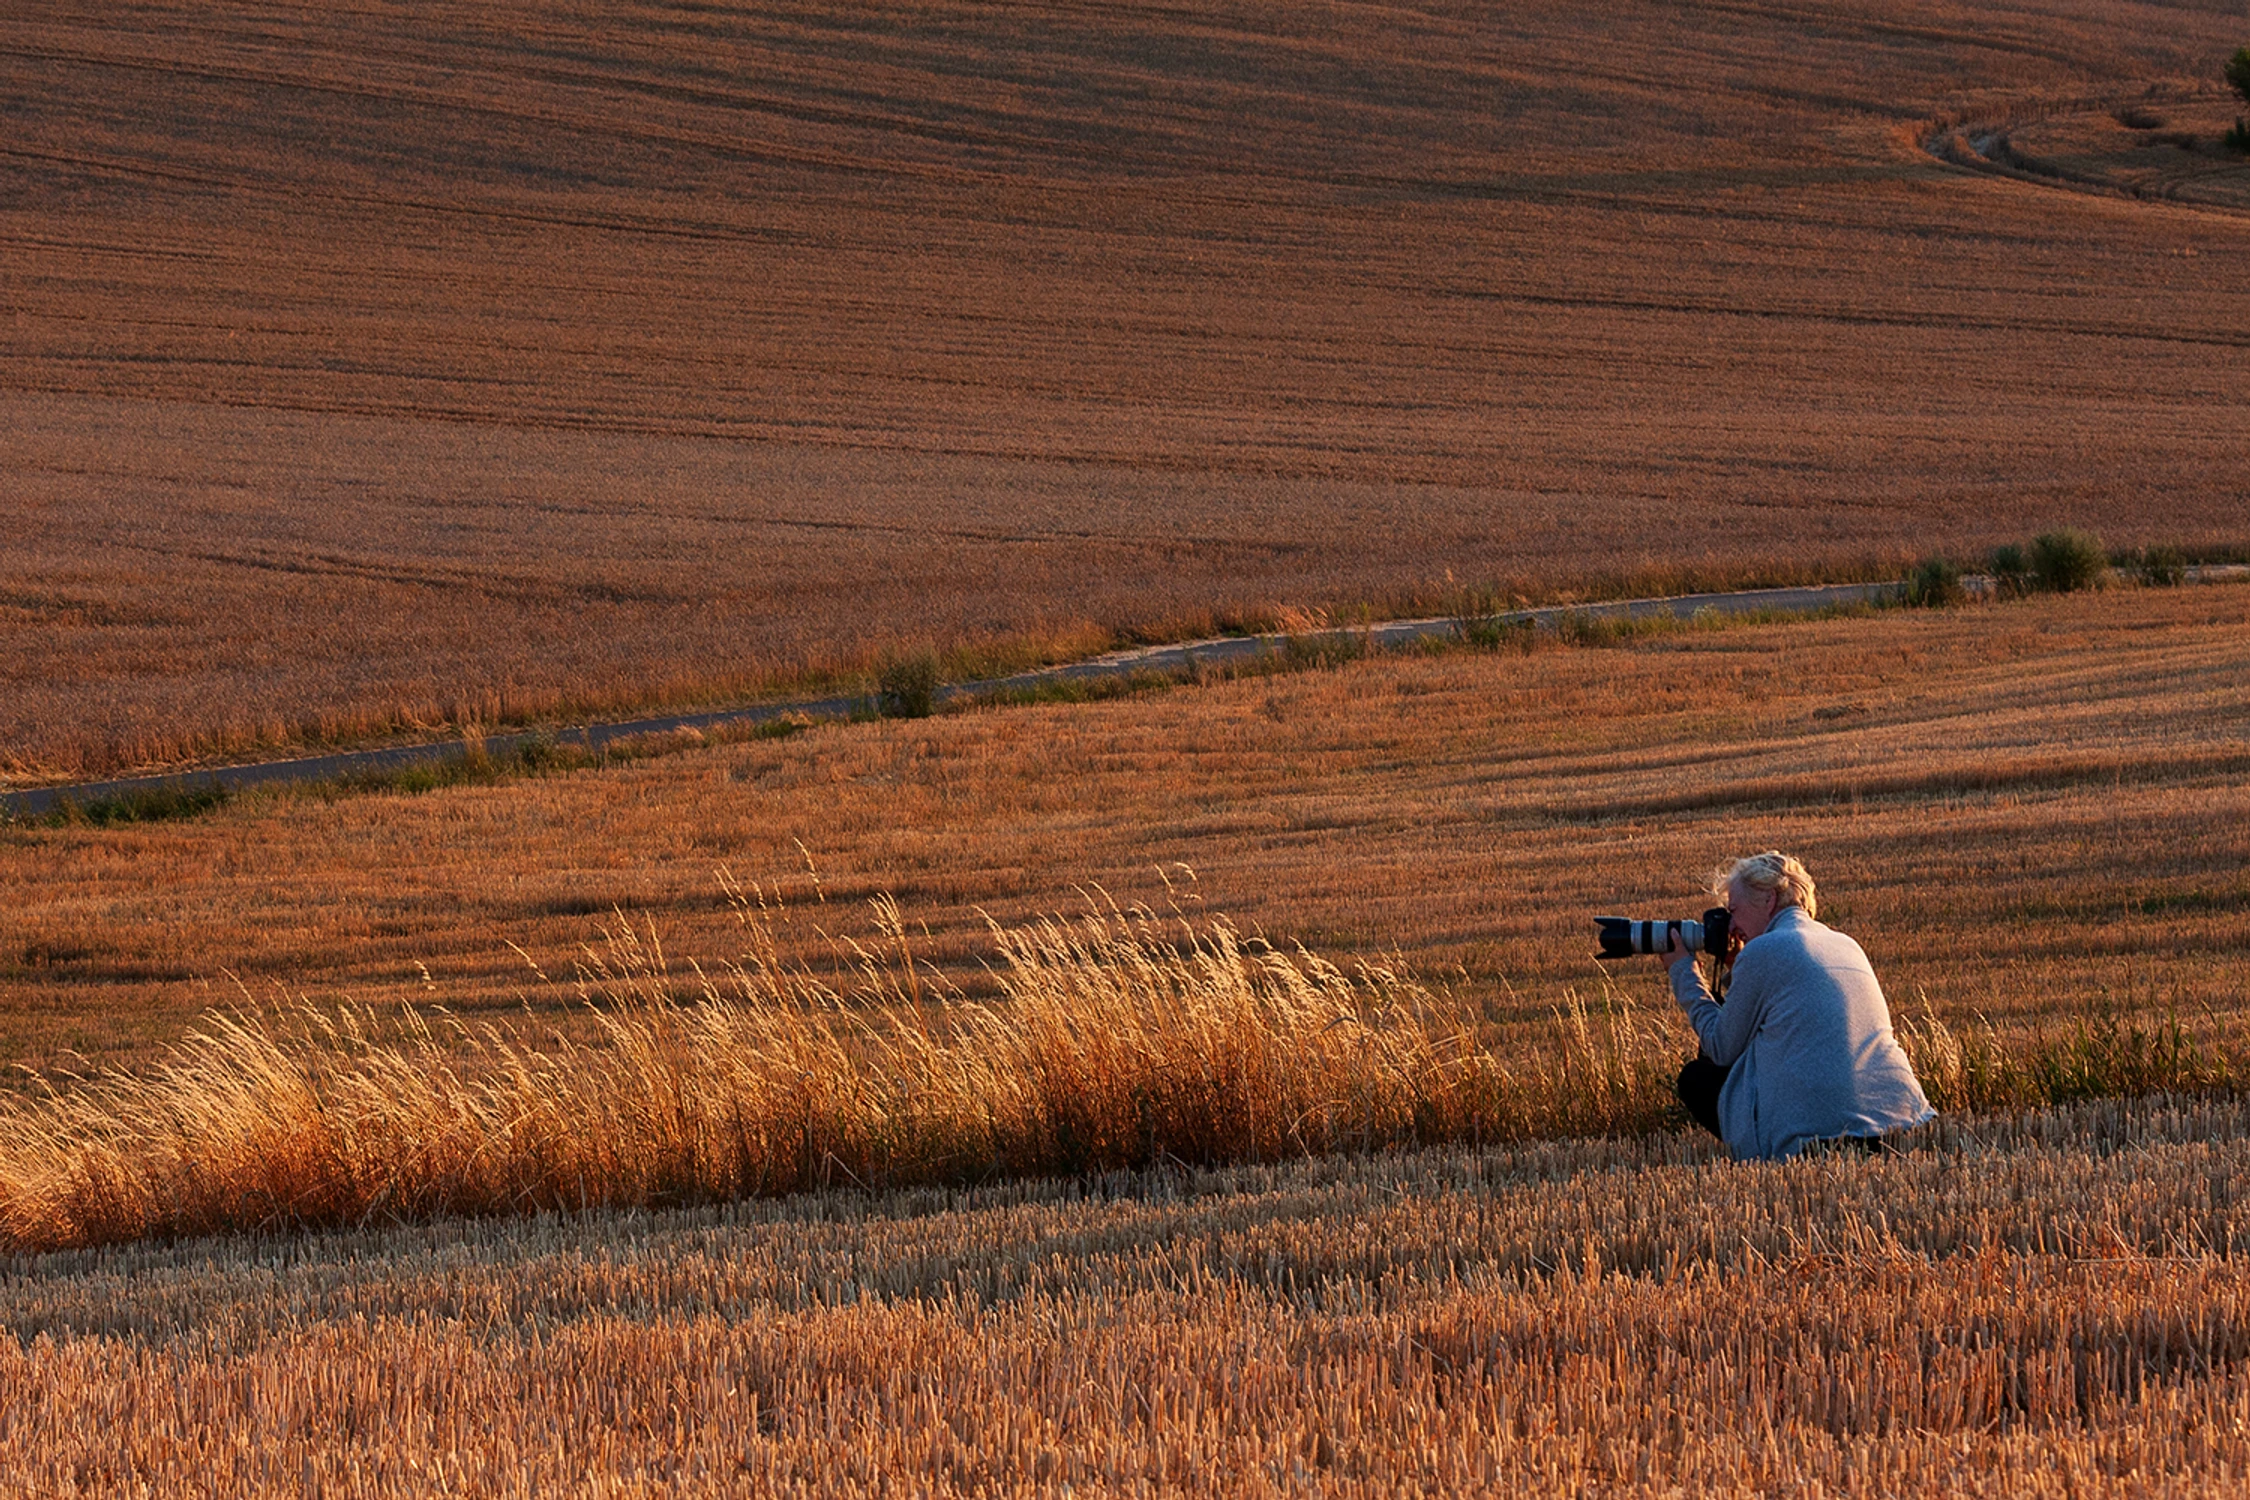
365,368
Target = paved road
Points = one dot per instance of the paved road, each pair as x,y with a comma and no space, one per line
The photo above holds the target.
1221,652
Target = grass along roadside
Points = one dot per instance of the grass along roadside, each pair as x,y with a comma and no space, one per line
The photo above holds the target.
918,684
1121,1040
908,686
473,761
463,707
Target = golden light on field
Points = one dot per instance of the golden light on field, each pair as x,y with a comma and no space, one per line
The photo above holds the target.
377,368
1203,1090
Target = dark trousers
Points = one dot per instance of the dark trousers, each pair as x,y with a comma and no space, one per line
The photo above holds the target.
1699,1086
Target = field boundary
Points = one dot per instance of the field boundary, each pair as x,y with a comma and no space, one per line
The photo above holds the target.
1220,653
1983,141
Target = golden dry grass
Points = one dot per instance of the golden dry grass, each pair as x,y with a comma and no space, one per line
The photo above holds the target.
2046,1306
1122,1040
369,369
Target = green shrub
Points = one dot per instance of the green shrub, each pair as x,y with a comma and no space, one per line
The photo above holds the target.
907,688
2011,575
781,728
148,804
1500,632
2067,560
2162,567
2237,137
1934,585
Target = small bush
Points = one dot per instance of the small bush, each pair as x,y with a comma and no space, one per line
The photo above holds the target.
1329,648
907,688
2067,560
2237,137
2162,567
1500,632
2011,574
1934,585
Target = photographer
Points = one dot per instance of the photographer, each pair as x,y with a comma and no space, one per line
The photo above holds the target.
1801,1050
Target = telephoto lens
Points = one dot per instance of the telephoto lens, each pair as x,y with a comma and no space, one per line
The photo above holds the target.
1623,937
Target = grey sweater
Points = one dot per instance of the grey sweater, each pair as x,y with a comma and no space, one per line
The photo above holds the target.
1807,1036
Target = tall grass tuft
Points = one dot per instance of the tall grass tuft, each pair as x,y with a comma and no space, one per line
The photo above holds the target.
2010,570
2237,72
1119,1039
2106,1055
2161,567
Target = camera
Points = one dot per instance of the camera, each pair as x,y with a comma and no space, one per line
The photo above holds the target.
1622,937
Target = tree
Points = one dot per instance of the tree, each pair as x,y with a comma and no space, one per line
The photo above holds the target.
2238,74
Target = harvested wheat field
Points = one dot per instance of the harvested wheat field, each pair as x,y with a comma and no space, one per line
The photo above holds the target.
2049,1305
1203,1087
371,369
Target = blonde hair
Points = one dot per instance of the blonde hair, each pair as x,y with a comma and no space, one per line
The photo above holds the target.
1771,871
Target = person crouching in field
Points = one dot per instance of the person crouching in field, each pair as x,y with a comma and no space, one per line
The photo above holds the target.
1801,1050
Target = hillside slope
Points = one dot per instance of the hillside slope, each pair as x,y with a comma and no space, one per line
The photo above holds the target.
371,367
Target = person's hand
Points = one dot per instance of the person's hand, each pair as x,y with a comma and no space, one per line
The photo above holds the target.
1672,950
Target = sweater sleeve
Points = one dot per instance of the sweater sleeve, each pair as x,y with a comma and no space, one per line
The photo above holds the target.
1725,1029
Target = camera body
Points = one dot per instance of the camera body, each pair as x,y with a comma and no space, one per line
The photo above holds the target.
1623,937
